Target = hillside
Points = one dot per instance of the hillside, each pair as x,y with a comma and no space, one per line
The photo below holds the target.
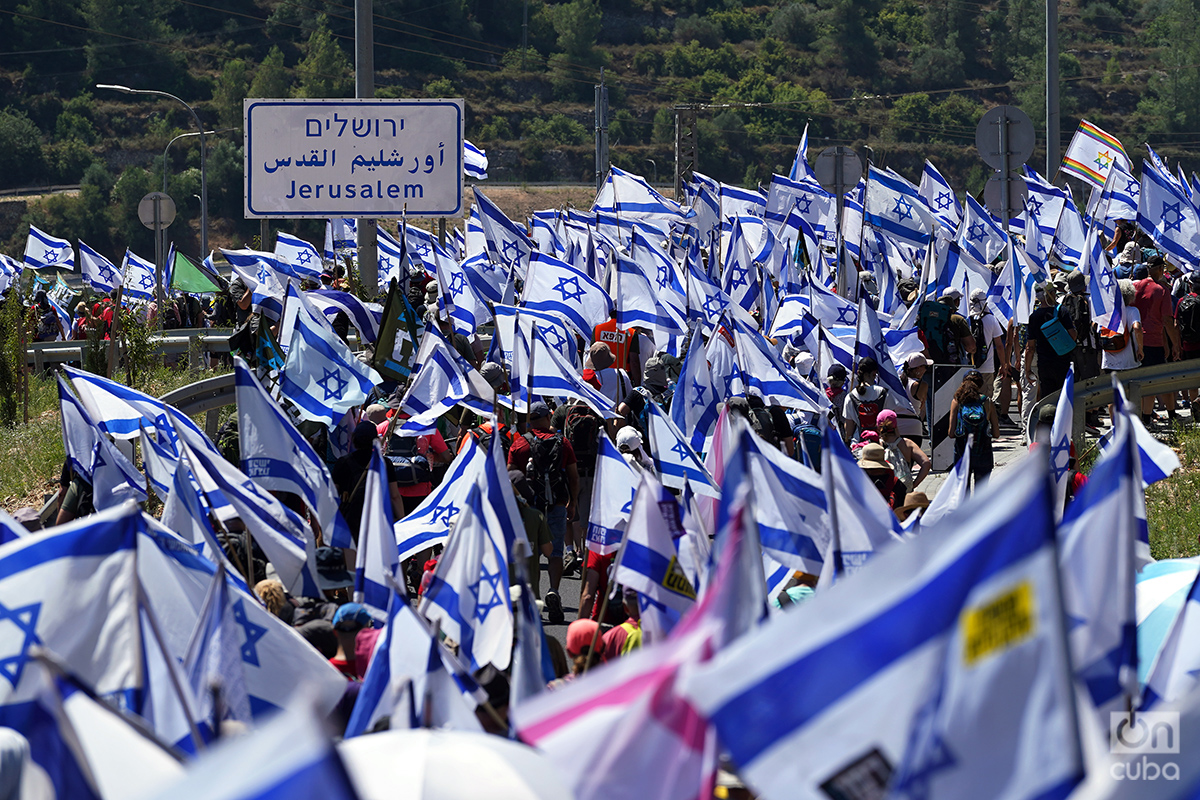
901,80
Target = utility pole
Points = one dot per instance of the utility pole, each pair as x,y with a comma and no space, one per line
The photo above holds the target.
685,147
1052,119
364,86
601,131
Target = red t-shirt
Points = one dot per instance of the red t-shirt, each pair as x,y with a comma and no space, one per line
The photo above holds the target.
520,451
1154,304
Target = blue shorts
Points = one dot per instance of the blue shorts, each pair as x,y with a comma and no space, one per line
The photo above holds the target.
556,520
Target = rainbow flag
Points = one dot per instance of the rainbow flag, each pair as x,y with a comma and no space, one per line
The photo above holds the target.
1092,153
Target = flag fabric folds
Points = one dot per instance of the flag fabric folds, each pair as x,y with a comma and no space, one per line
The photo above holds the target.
43,251
1092,153
100,273
942,670
322,377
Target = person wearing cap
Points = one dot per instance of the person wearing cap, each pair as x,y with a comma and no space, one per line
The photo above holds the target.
946,333
990,356
348,471
548,461
623,639
903,454
600,373
1160,336
973,413
347,622
873,460
1052,365
912,426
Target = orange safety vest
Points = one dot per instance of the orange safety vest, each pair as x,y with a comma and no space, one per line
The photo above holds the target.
618,341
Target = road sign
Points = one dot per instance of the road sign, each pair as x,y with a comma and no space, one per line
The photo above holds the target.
156,211
353,158
1016,195
1005,128
838,169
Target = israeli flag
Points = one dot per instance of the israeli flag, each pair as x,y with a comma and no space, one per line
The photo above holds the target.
649,560
508,248
1060,440
265,433
860,521
556,287
289,757
285,539
1120,197
1069,245
624,194
553,376
475,162
469,592
766,375
551,329
184,512
1167,216
430,522
737,202
870,343
301,257
139,282
638,301
322,377
800,168
662,273
93,627
99,273
281,669
1097,540
1104,296
365,317
376,564
937,194
408,681
393,260
214,657
113,478
791,515
740,275
615,484
694,406
979,235
894,206
1172,676
264,276
950,495
442,379
943,669
675,459
43,251
10,270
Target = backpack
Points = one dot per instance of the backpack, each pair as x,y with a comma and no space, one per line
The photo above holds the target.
582,429
47,330
868,411
1187,314
933,319
1112,341
545,472
1056,334
411,467
764,426
981,340
484,437
1077,308
972,418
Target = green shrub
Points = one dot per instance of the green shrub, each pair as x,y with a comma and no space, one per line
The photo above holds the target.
558,129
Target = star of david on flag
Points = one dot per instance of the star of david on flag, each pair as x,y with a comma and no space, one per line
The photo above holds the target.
44,251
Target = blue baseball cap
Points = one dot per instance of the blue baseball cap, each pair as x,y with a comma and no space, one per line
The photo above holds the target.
351,616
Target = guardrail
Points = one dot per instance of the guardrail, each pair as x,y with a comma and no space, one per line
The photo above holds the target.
176,342
1174,376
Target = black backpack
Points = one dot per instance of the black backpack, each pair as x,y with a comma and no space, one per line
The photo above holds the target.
411,467
582,429
1080,312
484,437
981,340
546,473
1188,317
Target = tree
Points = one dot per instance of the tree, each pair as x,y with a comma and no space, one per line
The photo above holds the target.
577,24
325,69
20,149
126,36
271,79
230,91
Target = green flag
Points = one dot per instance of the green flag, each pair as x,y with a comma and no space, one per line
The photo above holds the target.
187,276
397,343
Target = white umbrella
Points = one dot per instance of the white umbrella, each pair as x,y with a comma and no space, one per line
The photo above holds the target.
449,765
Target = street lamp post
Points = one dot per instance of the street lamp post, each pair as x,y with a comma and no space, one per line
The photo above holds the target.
203,171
